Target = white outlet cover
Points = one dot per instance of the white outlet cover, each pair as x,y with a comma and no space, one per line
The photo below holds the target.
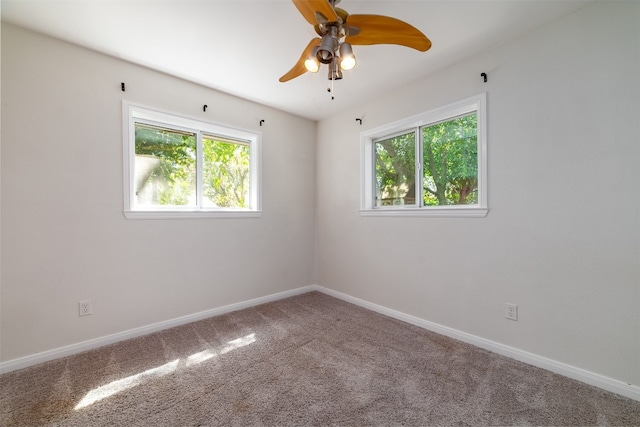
84,308
511,311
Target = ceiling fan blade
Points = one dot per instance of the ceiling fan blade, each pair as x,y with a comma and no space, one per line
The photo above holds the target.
378,29
308,9
299,69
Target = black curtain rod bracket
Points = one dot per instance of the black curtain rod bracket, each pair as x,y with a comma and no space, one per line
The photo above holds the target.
485,76
204,108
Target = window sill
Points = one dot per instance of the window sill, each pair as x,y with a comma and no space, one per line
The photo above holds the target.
435,211
191,214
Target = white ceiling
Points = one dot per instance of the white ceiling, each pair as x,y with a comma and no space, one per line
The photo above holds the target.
242,47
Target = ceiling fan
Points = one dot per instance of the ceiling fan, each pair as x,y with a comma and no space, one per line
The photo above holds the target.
339,31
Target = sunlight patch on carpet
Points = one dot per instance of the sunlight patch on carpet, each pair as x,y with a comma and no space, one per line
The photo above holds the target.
114,387
202,356
117,386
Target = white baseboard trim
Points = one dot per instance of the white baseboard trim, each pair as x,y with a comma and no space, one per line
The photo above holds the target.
45,356
591,378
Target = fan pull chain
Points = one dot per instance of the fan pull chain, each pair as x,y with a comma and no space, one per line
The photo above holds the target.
330,88
332,97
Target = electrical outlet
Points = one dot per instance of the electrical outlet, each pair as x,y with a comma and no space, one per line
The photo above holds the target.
84,308
511,311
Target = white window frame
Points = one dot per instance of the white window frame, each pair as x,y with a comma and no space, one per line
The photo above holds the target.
367,167
133,112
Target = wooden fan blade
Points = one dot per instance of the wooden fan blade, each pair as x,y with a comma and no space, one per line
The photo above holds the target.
299,69
378,29
308,9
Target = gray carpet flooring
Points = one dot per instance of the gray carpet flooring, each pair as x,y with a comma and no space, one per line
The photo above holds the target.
306,360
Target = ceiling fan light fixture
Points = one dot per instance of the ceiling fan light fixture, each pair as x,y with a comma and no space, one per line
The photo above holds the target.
311,63
325,52
347,58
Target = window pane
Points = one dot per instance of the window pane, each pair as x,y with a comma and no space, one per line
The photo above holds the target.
226,175
395,170
450,159
165,167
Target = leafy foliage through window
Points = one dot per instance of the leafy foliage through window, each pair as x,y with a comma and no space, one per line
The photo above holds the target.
165,166
434,160
450,158
226,172
181,164
449,163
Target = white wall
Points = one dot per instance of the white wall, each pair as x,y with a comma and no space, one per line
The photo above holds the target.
64,236
562,237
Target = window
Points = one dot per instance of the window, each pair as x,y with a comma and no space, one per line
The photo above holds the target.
432,164
176,167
